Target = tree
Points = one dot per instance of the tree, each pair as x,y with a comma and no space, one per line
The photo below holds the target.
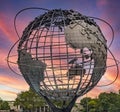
114,102
103,102
106,102
4,105
0,103
92,105
119,92
29,100
109,102
84,103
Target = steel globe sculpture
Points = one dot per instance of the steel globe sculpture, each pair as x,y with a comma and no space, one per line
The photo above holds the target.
62,55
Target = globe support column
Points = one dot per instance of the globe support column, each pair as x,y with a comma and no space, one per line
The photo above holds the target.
67,109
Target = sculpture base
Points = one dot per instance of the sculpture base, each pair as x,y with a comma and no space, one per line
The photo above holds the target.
55,109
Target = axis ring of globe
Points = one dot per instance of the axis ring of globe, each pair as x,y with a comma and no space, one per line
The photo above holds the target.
62,53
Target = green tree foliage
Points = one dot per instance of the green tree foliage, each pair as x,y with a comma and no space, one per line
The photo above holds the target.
89,104
4,105
106,102
0,101
84,103
92,104
29,100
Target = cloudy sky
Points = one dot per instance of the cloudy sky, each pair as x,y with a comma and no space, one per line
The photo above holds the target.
10,83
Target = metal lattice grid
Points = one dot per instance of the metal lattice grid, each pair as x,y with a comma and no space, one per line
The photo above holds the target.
62,55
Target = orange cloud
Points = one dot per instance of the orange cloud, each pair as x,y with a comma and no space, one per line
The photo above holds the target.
3,62
94,93
13,82
111,76
9,92
3,55
106,79
7,95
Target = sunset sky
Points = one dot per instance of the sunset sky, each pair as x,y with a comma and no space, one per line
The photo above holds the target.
109,10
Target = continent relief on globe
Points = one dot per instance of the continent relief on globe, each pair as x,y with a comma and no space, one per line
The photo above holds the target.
32,70
80,35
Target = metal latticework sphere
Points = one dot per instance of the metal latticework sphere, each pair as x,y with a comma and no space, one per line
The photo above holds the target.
62,54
